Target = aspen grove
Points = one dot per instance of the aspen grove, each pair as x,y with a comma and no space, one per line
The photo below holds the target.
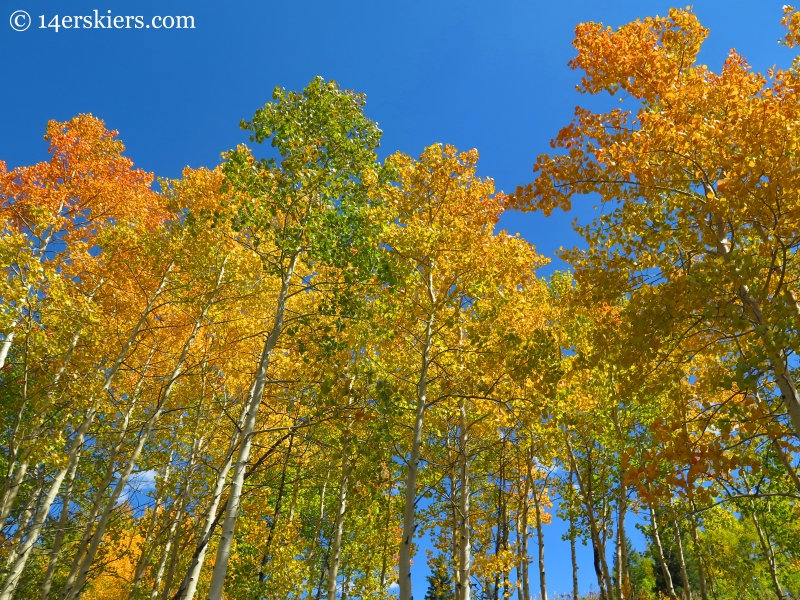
274,378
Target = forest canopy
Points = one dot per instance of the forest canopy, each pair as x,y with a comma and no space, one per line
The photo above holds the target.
273,378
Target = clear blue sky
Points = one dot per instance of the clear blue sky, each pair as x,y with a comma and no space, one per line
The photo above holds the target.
488,75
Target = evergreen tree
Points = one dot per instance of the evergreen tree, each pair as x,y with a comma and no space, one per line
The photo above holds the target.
440,584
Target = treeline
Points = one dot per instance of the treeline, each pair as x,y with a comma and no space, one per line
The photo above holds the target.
269,379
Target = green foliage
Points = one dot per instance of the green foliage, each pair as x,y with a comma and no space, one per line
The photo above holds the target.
642,573
440,581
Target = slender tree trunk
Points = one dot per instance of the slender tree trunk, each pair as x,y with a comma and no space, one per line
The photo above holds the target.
162,561
175,523
243,458
766,545
524,527
413,465
11,485
498,541
72,592
601,536
38,253
521,553
23,552
262,575
790,470
114,455
574,559
116,448
25,513
600,564
776,358
173,563
5,345
169,552
338,526
540,540
74,588
321,582
188,586
198,443
455,521
701,567
315,540
150,542
464,546
687,590
74,451
55,551
346,586
660,553
384,561
622,543
572,535
18,465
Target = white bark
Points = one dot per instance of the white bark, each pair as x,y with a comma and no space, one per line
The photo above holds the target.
622,544
775,356
144,437
338,527
312,554
19,463
147,549
184,496
770,556
8,339
97,505
604,578
239,468
464,547
538,497
63,518
523,535
26,510
660,550
22,553
188,587
413,466
687,590
12,484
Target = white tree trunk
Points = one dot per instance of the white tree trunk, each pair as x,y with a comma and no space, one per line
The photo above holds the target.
22,553
540,540
144,437
687,590
19,463
8,339
188,587
104,484
766,545
413,465
338,527
660,551
464,546
239,468
775,356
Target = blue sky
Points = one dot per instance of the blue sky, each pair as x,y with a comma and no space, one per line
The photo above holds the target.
488,75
